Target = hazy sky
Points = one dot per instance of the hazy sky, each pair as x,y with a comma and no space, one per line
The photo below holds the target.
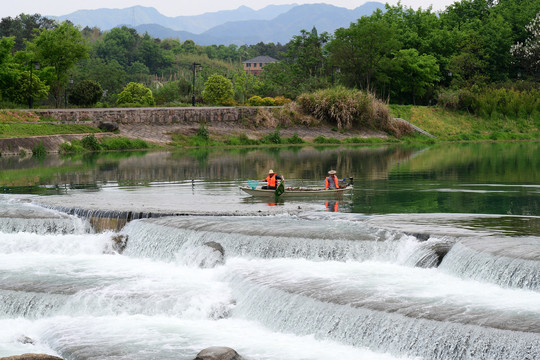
181,7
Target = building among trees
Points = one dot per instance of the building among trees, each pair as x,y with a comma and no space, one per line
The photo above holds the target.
254,66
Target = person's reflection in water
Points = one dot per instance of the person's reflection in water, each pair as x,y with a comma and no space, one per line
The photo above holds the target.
271,204
332,206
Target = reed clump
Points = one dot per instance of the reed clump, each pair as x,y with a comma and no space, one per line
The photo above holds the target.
347,109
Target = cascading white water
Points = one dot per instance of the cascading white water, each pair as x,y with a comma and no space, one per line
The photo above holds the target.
266,237
508,271
321,287
23,217
286,312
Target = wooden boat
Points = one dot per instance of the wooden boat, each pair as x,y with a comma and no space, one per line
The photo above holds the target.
298,192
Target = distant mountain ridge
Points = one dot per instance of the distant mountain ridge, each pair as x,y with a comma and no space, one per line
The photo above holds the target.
274,23
106,19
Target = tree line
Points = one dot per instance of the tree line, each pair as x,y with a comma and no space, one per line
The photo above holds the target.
400,54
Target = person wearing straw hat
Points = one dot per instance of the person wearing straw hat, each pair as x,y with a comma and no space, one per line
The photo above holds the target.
331,181
272,180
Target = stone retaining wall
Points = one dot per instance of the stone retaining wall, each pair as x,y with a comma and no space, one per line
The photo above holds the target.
158,116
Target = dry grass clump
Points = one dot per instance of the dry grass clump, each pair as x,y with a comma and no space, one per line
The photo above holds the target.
400,128
266,118
289,115
347,109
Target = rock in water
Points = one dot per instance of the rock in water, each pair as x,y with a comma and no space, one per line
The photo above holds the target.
216,246
119,243
212,258
108,126
32,357
218,353
23,339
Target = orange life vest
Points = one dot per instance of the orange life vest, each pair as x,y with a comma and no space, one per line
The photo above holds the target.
272,181
327,184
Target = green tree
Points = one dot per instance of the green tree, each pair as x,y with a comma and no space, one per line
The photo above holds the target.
138,72
24,28
496,36
109,74
137,94
8,69
86,93
60,48
119,44
305,51
415,73
468,66
244,84
218,90
150,54
21,90
360,50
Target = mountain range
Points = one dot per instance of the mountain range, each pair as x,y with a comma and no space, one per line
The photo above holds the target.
274,23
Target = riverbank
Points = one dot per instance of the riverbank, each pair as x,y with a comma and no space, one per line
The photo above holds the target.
21,131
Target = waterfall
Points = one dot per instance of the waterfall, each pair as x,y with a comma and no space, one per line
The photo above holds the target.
180,239
468,262
22,217
282,311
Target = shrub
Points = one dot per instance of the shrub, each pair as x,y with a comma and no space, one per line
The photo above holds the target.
268,101
531,101
468,101
295,139
218,90
135,93
241,139
273,138
171,92
86,93
203,132
73,147
487,104
39,151
321,139
89,142
281,100
255,101
448,99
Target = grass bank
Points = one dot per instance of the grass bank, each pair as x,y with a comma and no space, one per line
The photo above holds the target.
203,139
449,125
90,143
19,130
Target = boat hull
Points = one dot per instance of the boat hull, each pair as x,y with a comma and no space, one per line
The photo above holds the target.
292,193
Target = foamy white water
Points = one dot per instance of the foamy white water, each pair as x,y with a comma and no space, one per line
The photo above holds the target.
317,286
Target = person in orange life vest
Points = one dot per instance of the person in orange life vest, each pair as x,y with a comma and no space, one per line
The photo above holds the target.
271,180
331,182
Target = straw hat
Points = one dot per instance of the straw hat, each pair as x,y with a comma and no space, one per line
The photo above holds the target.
332,172
270,171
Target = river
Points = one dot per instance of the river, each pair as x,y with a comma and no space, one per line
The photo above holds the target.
434,255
